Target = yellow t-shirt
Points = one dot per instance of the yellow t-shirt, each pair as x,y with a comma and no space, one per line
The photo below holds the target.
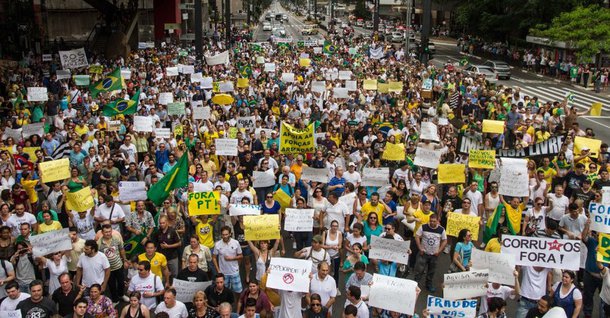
514,216
157,262
81,130
368,208
493,246
209,167
44,228
423,218
549,174
205,233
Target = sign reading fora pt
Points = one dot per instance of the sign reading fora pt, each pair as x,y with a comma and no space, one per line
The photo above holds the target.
204,203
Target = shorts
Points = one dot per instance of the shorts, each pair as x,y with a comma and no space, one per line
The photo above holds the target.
233,282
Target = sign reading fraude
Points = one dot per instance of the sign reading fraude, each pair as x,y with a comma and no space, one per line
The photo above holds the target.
296,140
202,203
543,252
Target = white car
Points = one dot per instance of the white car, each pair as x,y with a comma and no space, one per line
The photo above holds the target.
279,32
476,71
397,37
267,26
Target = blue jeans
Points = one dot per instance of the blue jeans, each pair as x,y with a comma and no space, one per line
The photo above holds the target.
524,306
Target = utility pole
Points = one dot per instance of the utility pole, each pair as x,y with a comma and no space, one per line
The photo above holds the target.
198,30
425,32
228,22
376,17
408,25
248,4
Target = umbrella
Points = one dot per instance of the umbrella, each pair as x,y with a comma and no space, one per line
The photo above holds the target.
223,99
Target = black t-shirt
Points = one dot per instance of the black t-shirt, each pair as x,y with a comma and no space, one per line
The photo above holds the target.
43,309
573,182
534,313
65,302
599,184
215,298
196,276
586,197
170,236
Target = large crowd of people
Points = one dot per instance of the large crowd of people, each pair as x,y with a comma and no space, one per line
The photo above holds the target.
125,255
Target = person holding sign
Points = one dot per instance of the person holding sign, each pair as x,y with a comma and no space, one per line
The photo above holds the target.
431,239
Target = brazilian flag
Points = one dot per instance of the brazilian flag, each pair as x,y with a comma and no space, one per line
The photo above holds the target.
255,47
329,48
133,246
176,177
283,46
464,62
111,82
245,70
122,107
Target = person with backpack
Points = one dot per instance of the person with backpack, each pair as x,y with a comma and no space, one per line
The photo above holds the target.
315,253
26,269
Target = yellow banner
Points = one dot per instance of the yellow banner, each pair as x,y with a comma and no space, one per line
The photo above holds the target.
596,109
383,87
395,87
394,152
592,144
282,198
262,227
31,151
483,159
304,62
296,141
451,173
458,221
493,126
80,201
54,170
243,83
204,203
370,85
603,248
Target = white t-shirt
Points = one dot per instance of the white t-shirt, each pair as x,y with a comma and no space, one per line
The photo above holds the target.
533,282
178,311
11,304
290,306
4,274
560,206
326,288
605,292
363,309
476,198
336,212
103,211
503,292
14,222
577,294
93,268
576,226
354,177
144,285
131,152
232,249
316,257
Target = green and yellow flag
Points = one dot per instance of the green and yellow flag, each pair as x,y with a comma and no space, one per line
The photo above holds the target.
176,177
111,82
329,48
122,107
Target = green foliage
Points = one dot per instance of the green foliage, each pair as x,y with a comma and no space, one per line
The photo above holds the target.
587,28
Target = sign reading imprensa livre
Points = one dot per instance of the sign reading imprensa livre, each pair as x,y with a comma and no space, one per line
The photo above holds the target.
51,242
543,252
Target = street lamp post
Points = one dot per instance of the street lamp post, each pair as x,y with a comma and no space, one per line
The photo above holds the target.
425,32
376,17
408,26
228,22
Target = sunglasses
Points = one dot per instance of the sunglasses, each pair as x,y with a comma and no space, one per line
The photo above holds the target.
269,197
316,305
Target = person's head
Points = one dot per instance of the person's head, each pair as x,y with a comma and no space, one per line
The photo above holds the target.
90,248
357,248
224,310
354,293
359,269
567,278
389,229
315,302
200,300
36,289
95,291
143,268
357,229
80,307
250,310
464,236
372,219
334,226
150,248
170,297
544,304
323,269
193,262
350,311
558,190
316,242
225,233
573,209
65,282
496,305
12,290
374,199
433,221
219,281
107,231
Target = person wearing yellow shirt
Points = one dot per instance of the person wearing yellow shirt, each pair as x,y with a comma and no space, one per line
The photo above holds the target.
81,129
494,245
29,186
205,230
297,167
422,216
549,172
48,225
375,206
208,165
158,262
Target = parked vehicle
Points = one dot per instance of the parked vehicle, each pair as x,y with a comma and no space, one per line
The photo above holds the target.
477,71
500,67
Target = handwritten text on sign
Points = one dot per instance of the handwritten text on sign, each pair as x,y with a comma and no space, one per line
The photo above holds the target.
513,176
389,250
600,217
315,174
244,209
51,242
458,221
444,308
393,293
132,191
427,158
543,252
483,159
465,284
226,147
202,203
299,220
500,266
289,274
55,170
375,177
185,289
80,201
262,227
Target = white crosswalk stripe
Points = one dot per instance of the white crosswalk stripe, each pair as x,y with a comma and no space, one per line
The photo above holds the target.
552,94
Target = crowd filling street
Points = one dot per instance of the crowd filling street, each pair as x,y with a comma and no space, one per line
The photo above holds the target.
268,179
